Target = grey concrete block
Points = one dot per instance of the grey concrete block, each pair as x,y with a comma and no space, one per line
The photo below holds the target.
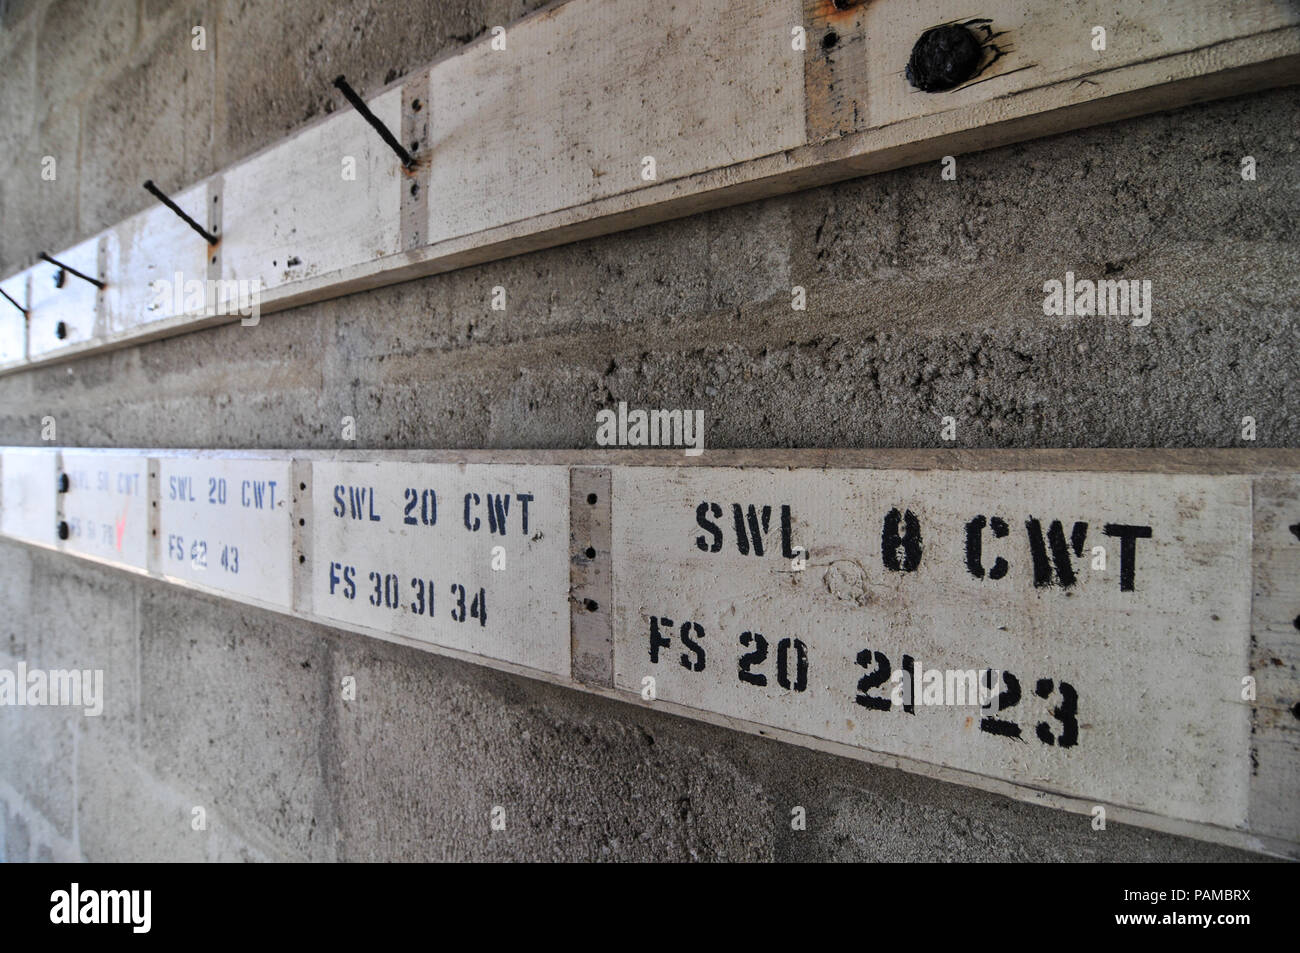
231,700
79,40
15,599
15,13
126,815
151,118
17,839
431,746
40,213
18,92
865,814
91,625
39,747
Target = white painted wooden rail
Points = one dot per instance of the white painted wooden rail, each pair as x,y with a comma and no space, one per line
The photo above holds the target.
1131,615
546,141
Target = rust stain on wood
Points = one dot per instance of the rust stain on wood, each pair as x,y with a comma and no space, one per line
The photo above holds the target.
835,68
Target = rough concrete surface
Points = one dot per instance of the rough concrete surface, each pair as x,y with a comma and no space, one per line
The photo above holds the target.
924,300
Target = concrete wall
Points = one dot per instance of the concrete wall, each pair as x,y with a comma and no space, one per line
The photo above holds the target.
924,301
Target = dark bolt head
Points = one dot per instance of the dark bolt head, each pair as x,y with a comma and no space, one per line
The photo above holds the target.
60,277
63,530
942,58
61,330
63,483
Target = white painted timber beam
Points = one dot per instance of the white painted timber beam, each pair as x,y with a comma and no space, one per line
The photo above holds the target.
1082,629
549,133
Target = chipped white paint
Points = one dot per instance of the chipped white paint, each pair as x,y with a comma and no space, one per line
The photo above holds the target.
409,548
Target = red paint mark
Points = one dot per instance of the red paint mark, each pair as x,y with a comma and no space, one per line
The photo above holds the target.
121,527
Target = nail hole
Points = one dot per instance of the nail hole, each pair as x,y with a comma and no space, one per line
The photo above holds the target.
415,146
591,498
590,604
61,330
302,522
302,486
591,552
830,39
415,188
302,558
416,105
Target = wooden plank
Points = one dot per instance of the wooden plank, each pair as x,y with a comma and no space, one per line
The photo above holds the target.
1119,685
152,258
543,142
473,558
1160,733
591,89
71,309
316,203
106,507
28,487
223,526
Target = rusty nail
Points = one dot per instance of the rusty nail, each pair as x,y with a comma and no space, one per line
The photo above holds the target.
65,270
360,106
157,193
12,301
